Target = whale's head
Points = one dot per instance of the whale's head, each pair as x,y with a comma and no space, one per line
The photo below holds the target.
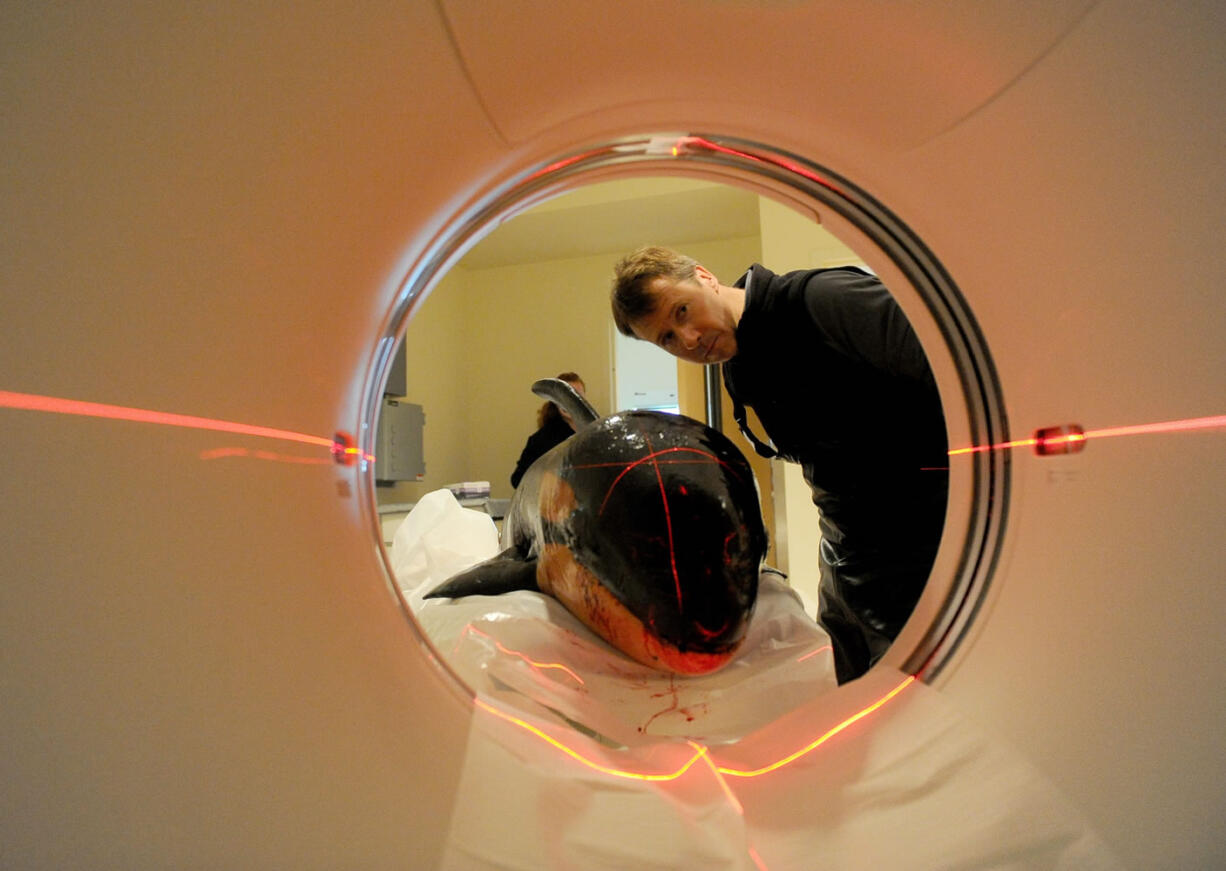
661,540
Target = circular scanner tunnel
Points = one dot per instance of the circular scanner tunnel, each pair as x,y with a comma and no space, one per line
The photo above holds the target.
970,392
216,224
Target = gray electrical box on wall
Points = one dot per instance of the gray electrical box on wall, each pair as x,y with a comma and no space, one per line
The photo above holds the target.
398,443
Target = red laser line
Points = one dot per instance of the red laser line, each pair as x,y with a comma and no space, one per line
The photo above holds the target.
711,633
1000,446
731,796
719,778
77,407
813,653
532,662
568,161
732,800
220,453
668,517
777,161
701,752
33,402
1184,425
700,749
579,757
651,457
809,748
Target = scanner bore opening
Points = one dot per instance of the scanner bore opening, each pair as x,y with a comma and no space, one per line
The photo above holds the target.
972,539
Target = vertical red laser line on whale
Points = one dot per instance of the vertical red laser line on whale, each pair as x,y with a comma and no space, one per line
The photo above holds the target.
653,456
668,522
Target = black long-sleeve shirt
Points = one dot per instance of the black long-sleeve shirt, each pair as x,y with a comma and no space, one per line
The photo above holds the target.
554,432
837,376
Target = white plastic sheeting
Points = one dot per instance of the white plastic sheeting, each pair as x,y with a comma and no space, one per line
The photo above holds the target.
534,655
582,758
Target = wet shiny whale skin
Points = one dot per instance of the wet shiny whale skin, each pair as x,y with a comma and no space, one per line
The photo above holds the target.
644,525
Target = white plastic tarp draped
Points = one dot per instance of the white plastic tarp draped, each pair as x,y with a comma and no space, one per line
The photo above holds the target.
582,758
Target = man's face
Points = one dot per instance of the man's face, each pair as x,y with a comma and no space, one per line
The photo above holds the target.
691,320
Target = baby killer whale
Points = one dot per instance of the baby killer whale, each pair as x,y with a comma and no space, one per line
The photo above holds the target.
646,526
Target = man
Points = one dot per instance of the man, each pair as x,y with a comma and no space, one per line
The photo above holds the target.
837,377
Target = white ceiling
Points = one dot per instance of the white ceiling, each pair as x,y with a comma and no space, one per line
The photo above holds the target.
617,217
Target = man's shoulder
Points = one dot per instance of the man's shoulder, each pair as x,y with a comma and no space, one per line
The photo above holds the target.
827,279
786,299
771,288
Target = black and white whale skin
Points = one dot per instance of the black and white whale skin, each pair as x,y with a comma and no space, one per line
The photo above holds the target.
646,526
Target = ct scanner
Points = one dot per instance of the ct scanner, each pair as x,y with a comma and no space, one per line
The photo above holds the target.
216,223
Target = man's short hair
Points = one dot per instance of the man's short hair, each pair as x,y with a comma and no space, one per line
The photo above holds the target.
632,295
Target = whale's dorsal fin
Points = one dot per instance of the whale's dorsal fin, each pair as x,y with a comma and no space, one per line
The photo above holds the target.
567,398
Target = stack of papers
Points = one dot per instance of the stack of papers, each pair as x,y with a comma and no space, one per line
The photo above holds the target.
470,489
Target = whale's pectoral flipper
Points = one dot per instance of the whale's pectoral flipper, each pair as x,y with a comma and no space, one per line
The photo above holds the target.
566,398
504,573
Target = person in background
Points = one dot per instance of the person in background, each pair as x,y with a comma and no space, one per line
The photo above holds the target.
842,387
553,426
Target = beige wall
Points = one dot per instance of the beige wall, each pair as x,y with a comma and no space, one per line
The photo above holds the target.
528,322
476,344
483,336
434,377
791,241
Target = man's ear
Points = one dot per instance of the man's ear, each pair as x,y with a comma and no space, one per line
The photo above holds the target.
705,276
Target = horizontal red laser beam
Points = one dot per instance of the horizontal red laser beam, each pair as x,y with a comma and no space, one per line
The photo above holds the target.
999,446
1185,425
34,402
229,452
58,405
652,457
